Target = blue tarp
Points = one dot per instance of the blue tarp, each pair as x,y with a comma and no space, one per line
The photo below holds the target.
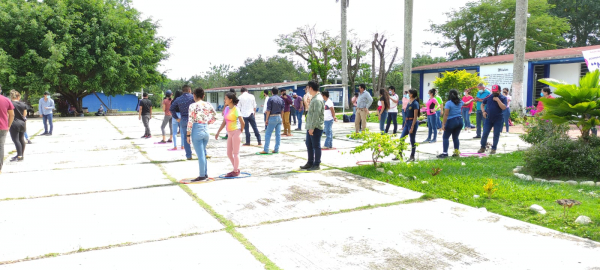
126,102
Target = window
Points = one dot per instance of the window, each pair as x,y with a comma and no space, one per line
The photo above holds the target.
214,98
584,70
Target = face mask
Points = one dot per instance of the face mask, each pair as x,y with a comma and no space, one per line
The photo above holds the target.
480,91
390,92
542,94
406,96
466,93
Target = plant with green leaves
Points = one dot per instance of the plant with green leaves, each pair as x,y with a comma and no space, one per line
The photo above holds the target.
380,145
459,80
538,129
576,104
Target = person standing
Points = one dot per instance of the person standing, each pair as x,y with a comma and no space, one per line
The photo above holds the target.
274,109
183,104
235,124
405,101
264,110
7,115
287,129
46,107
176,125
292,111
383,105
452,123
431,106
438,111
145,113
482,94
467,109
201,114
492,112
506,113
299,106
329,119
412,117
166,106
306,98
314,125
18,127
393,111
363,103
247,108
354,99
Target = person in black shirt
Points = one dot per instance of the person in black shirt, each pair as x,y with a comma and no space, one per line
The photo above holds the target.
18,128
145,114
411,125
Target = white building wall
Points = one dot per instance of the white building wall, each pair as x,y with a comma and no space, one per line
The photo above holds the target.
502,75
428,79
569,73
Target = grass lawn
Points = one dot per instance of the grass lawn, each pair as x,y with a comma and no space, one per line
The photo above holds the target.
512,199
373,117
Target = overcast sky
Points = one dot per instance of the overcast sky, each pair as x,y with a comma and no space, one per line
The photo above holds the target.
213,32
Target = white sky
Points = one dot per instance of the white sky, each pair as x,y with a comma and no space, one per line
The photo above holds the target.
206,32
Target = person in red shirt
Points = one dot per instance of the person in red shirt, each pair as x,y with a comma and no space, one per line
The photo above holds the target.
467,109
546,93
7,115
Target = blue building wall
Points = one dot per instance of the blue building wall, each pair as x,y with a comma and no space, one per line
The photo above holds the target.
122,103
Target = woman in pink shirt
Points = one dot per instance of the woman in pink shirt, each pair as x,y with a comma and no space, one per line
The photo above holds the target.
467,109
354,104
430,107
405,101
546,93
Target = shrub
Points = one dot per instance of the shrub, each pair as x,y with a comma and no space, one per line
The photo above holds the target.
561,156
380,145
460,80
538,129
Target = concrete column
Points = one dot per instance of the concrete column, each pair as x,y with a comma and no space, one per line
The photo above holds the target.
408,20
344,52
519,60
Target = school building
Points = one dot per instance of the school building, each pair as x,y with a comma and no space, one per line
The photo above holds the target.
216,96
564,64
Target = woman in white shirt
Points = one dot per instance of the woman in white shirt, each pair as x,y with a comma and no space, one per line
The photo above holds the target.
329,118
506,113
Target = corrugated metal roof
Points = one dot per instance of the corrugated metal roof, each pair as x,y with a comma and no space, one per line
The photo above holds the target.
531,56
254,87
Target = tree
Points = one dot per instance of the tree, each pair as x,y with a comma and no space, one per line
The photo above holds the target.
267,70
396,78
583,18
80,47
316,48
379,44
487,28
459,80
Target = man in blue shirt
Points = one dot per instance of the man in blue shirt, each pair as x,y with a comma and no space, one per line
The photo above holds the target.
275,107
46,108
481,96
183,104
492,112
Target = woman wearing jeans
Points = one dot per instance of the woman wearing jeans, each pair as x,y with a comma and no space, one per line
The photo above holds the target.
201,115
410,127
175,124
431,117
235,124
452,123
383,105
506,113
467,109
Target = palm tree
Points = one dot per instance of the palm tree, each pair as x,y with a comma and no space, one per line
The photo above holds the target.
344,4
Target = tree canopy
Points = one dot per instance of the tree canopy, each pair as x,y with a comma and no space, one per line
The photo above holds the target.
78,47
267,70
487,27
583,17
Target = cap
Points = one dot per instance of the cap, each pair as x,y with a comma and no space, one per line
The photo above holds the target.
46,93
495,88
169,92
294,94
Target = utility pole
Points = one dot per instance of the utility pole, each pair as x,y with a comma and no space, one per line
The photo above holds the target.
408,20
346,92
519,59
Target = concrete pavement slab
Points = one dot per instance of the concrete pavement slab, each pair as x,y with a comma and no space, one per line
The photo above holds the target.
35,227
431,235
72,181
208,251
250,201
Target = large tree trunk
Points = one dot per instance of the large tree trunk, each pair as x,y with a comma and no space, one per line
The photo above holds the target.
373,65
408,19
517,103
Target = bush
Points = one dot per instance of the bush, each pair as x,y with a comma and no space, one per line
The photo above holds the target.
561,156
380,145
537,129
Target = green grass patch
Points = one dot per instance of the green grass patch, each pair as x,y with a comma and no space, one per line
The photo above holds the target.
513,197
373,117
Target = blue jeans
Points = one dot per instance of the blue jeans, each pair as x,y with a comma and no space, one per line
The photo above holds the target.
47,118
413,136
299,115
265,114
251,122
176,128
594,131
329,133
354,110
392,117
438,119
274,124
186,145
26,136
452,128
487,127
432,124
382,119
199,138
403,118
466,117
478,121
506,116
313,147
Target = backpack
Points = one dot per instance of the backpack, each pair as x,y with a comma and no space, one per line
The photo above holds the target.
346,118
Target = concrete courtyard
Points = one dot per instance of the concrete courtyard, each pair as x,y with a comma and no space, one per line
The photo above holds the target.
96,196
